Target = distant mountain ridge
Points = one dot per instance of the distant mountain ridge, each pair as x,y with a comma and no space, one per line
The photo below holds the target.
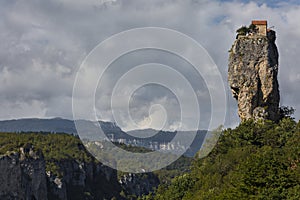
148,138
53,125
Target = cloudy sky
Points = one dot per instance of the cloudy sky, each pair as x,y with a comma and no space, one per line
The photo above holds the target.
44,42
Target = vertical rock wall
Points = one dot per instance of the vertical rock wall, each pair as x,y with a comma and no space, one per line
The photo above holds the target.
252,76
22,177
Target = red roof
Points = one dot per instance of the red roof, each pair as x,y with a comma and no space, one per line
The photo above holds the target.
259,22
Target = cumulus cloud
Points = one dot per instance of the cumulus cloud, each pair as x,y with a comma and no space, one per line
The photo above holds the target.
43,43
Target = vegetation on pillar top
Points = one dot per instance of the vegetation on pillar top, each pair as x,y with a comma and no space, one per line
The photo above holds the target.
244,30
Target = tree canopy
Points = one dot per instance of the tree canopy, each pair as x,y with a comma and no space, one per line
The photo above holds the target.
254,161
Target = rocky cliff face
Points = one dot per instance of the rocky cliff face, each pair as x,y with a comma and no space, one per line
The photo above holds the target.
83,181
252,76
139,184
22,176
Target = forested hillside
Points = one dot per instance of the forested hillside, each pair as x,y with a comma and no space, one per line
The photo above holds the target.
254,161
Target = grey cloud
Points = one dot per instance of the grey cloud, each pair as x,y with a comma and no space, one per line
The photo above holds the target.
44,42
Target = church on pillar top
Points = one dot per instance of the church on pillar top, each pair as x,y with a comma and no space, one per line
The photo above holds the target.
261,27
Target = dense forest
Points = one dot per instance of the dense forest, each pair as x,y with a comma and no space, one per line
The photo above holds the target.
253,161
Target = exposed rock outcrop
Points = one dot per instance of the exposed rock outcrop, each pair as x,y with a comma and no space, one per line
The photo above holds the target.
252,76
139,184
22,176
82,180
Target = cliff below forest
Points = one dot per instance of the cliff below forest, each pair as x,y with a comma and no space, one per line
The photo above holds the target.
58,167
24,175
